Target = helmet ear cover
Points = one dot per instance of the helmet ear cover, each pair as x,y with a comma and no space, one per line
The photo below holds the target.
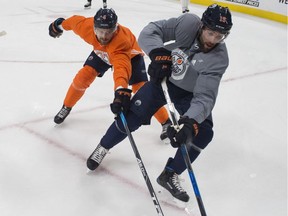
105,18
218,19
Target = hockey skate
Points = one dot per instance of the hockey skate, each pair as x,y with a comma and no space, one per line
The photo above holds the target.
88,5
163,135
96,157
170,181
62,114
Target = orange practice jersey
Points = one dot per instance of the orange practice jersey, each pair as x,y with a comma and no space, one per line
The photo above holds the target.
117,53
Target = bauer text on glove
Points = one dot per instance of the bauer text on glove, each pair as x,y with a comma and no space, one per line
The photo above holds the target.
160,65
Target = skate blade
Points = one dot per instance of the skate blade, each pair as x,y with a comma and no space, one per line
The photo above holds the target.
88,171
189,207
165,195
192,210
57,125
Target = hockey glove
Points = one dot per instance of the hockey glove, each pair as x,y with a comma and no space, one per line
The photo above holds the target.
160,65
121,101
54,30
188,128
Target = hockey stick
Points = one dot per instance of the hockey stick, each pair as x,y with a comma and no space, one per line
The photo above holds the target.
142,167
184,151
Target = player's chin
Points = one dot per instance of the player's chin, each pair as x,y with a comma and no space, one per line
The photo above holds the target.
208,47
104,42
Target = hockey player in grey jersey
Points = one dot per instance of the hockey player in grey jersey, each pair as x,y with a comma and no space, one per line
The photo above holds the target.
194,61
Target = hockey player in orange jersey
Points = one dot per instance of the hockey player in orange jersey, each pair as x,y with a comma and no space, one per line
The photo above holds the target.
115,47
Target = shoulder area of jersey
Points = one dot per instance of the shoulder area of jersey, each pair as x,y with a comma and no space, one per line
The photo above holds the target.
188,17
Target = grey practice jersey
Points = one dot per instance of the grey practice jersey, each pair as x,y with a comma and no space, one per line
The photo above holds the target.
192,70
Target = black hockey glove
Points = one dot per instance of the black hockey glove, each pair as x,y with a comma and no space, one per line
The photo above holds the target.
121,101
188,128
54,30
160,65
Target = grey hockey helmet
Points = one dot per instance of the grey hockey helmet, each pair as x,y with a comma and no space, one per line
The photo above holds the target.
105,18
217,18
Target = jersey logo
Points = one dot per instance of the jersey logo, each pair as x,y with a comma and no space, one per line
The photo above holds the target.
196,46
180,64
103,55
194,61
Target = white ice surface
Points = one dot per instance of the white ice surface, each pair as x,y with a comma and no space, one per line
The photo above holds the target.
243,172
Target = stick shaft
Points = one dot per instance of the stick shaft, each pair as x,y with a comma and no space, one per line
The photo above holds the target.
142,167
184,151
